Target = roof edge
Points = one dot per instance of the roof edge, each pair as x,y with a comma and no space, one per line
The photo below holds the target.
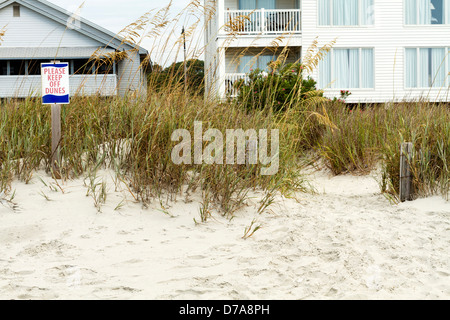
87,28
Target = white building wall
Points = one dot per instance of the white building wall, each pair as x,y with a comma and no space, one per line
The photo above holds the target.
131,79
211,48
32,29
388,36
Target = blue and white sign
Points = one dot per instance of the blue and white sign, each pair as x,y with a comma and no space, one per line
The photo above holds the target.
55,83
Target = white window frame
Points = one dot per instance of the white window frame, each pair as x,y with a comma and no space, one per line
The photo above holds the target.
331,25
444,24
256,61
360,70
446,66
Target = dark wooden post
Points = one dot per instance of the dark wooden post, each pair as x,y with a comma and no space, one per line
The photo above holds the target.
406,150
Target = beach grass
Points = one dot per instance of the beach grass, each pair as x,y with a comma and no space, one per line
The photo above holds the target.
132,136
372,135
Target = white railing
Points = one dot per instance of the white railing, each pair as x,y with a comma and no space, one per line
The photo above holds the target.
30,86
262,21
232,81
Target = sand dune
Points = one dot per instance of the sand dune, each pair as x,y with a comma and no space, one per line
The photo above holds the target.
347,241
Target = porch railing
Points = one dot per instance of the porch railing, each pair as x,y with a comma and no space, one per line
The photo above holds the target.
263,21
231,83
85,85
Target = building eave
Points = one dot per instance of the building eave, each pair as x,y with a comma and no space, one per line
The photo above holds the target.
86,27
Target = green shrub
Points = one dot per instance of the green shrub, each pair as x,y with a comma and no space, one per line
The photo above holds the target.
278,89
172,77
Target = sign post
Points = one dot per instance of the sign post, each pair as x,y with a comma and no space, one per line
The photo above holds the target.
405,190
55,91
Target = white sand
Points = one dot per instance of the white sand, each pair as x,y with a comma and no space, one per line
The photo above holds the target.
346,242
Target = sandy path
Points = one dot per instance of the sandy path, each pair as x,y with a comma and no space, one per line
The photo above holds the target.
345,242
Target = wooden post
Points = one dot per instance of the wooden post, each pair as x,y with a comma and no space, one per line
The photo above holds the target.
56,139
406,150
185,66
56,136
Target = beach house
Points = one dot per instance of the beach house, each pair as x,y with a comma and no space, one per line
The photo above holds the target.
385,50
37,31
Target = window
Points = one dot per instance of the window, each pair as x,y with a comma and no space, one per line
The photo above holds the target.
105,67
82,66
420,12
16,11
256,4
17,67
426,67
346,12
34,67
347,69
250,62
3,68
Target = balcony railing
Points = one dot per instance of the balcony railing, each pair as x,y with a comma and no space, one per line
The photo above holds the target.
231,81
262,21
30,86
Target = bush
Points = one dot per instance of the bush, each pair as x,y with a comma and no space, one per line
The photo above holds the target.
172,77
278,89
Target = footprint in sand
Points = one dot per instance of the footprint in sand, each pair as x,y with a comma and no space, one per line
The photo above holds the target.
24,273
132,261
197,257
54,246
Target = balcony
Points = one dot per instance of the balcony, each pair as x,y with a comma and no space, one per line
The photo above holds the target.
263,21
231,80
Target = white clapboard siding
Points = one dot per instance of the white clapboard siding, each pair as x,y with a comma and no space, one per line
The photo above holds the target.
388,36
131,78
85,85
45,53
210,46
30,86
32,29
